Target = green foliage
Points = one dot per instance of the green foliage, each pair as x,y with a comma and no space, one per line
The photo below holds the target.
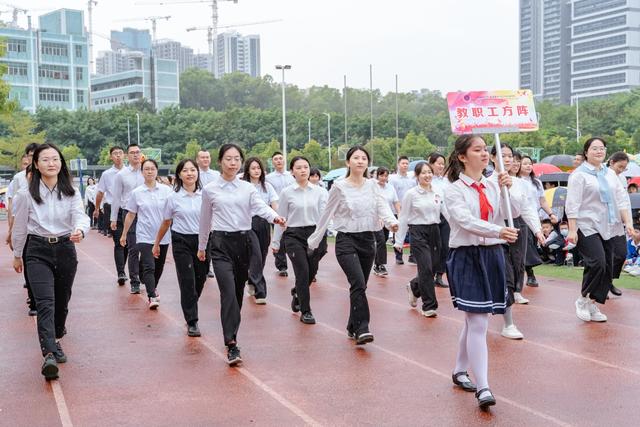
191,152
17,133
71,152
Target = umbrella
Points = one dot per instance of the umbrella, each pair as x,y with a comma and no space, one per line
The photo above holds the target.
563,161
556,198
555,177
413,164
334,174
543,168
632,170
635,200
634,180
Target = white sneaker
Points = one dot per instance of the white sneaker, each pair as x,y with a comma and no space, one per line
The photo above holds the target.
596,315
628,268
153,303
512,333
261,301
517,296
413,300
251,290
582,309
429,313
634,271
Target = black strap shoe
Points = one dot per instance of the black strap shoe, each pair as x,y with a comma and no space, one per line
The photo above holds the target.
465,385
487,400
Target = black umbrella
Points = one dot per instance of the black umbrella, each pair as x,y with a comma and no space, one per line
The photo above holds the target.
563,161
561,177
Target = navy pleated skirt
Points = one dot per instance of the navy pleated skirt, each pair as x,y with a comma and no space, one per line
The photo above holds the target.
476,277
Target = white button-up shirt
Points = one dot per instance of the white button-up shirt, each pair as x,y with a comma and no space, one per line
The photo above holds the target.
280,180
525,208
106,183
148,204
52,218
19,182
390,195
402,183
584,205
208,176
229,206
534,193
419,207
439,184
463,206
268,193
353,209
125,182
302,207
184,209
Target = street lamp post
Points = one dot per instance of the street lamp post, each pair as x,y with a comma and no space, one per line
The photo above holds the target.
329,136
577,98
309,139
138,117
284,114
397,123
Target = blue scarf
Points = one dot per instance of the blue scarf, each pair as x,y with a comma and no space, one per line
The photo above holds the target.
605,191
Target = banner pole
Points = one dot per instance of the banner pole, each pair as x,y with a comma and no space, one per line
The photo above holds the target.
505,190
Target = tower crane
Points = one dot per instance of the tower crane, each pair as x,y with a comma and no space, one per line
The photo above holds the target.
210,30
153,19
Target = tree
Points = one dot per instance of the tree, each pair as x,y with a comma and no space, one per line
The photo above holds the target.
71,152
191,152
18,132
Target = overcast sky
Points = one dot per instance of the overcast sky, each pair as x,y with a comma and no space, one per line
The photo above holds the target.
435,44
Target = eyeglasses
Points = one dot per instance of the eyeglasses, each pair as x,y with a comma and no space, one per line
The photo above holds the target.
598,148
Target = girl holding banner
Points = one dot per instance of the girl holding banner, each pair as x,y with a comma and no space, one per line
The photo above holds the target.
476,264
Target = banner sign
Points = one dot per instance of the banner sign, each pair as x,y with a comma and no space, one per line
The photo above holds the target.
492,111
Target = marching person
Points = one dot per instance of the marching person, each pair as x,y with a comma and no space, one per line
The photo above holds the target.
618,163
390,195
596,208
475,264
147,204
182,214
90,201
125,181
255,174
302,204
50,214
228,205
356,206
422,209
439,183
402,182
279,179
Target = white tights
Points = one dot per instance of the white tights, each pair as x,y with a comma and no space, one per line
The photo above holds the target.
472,348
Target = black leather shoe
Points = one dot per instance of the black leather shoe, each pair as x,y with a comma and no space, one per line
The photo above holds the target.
50,367
295,304
363,338
532,281
283,273
307,318
465,385
33,312
59,354
193,330
439,282
617,292
122,278
486,401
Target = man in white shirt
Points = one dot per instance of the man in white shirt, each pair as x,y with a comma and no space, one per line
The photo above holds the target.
204,162
280,178
402,182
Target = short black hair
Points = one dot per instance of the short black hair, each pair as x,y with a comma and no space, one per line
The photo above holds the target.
276,153
133,144
114,148
30,148
403,158
315,171
546,221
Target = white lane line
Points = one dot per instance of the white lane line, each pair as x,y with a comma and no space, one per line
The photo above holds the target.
300,413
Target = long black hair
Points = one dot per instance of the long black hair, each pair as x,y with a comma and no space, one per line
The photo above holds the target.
619,156
532,174
227,147
455,166
350,153
246,176
419,168
494,151
177,181
64,185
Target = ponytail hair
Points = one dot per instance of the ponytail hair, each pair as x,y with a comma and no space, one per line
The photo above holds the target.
455,166
350,153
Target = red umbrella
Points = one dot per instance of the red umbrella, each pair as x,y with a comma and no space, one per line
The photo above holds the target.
542,168
635,180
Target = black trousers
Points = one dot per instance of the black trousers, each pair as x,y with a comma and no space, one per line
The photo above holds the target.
514,258
104,218
230,252
305,262
280,256
32,300
597,255
133,253
619,244
90,209
191,272
259,249
51,270
120,253
152,267
445,230
355,253
381,246
425,241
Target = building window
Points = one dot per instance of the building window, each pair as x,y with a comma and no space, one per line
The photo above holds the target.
586,7
603,24
17,45
55,72
600,43
79,73
599,81
54,49
16,69
605,61
54,95
78,51
80,96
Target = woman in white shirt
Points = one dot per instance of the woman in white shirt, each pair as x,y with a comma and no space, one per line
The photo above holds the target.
596,208
475,264
255,174
51,217
618,163
228,205
302,204
90,199
147,204
182,214
390,195
439,183
356,206
422,208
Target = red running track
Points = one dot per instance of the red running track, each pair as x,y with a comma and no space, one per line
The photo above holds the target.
132,366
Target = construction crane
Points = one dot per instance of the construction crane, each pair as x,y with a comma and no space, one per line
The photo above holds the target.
210,30
153,19
15,11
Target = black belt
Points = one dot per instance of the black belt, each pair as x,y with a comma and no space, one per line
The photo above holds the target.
229,233
50,240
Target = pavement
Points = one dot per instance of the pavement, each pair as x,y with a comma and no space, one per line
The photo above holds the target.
132,366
